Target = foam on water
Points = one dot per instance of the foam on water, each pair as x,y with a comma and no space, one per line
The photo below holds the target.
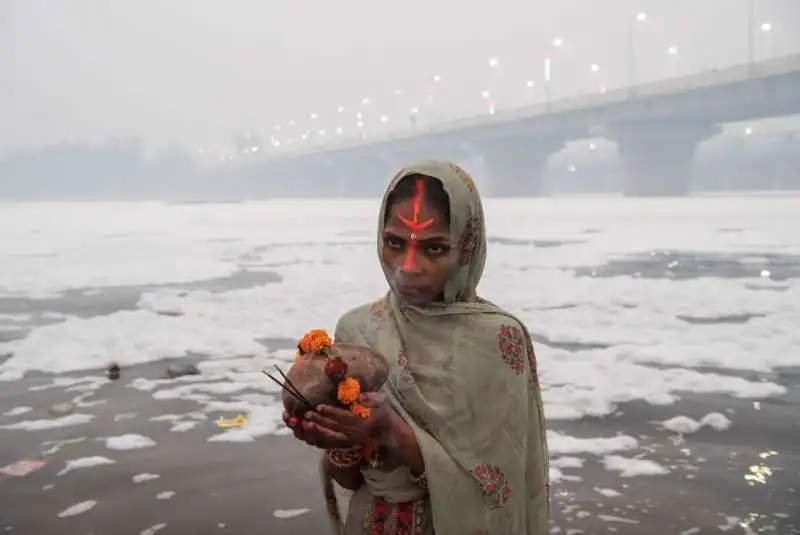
129,442
611,340
152,530
289,513
141,478
84,462
50,423
630,467
78,508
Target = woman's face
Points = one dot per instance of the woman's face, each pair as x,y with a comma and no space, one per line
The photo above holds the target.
416,249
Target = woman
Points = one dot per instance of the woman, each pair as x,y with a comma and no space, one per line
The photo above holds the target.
460,420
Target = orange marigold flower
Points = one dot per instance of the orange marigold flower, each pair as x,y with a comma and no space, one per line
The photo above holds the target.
315,341
348,390
360,410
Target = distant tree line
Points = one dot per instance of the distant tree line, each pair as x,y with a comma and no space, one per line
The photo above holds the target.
119,169
114,169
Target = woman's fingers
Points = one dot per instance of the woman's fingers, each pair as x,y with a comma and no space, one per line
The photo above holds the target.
326,433
318,419
371,399
335,413
322,437
293,424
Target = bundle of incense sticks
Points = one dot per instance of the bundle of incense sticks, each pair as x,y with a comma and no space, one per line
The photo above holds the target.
289,387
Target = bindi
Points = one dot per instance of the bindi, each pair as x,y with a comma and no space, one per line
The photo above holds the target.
414,225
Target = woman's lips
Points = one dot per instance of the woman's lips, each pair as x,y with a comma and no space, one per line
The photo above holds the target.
411,291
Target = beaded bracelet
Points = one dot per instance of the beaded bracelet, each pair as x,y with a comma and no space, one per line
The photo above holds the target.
420,480
344,458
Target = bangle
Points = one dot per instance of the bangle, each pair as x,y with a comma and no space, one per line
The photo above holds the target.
420,480
344,458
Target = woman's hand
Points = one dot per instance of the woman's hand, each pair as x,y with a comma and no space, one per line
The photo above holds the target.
315,434
358,430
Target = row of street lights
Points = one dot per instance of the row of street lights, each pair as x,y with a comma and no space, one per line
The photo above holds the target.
285,136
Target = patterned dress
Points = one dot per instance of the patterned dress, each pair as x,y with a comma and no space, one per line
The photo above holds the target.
463,376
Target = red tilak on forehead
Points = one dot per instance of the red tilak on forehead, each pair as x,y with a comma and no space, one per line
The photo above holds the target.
415,225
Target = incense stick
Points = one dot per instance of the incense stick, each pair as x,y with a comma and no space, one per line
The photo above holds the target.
289,382
291,389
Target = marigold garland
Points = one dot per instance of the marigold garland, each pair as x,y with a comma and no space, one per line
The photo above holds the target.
360,410
348,391
315,341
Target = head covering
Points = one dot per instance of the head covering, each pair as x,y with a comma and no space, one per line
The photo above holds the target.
463,376
466,226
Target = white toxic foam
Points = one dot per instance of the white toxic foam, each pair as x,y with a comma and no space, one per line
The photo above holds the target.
54,423
78,508
84,462
129,442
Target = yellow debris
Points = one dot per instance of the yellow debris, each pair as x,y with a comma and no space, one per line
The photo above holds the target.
239,421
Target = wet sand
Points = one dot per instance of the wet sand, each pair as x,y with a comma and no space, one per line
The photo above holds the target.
236,487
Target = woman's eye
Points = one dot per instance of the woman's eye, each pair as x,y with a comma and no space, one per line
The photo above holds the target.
393,243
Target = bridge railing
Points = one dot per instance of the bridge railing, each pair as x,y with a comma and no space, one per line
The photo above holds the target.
734,74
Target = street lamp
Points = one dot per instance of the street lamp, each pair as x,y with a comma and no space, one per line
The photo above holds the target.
412,116
558,42
640,17
766,29
595,68
487,96
497,76
429,99
673,52
547,75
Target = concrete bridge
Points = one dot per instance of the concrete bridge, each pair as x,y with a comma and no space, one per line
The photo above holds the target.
656,127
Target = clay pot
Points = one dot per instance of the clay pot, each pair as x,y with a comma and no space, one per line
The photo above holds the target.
308,375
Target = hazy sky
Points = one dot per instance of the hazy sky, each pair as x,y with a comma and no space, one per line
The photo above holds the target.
197,71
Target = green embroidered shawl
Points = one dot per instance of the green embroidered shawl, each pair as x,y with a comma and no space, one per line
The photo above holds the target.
464,378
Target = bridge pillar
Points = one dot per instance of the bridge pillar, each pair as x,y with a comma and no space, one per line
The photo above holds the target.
657,157
515,168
